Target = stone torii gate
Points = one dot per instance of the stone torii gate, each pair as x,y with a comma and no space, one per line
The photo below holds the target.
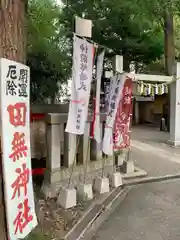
174,81
174,138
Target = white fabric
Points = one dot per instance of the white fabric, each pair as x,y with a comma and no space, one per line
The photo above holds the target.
97,134
81,85
116,95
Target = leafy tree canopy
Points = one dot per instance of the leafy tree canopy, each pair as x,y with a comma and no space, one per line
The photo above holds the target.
47,50
119,25
133,28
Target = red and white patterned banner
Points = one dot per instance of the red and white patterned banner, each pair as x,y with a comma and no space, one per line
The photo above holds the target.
116,94
121,135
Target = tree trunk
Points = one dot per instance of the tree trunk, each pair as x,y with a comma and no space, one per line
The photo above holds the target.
169,52
12,30
169,43
13,47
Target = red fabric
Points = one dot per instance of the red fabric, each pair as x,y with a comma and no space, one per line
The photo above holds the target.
38,171
17,114
123,118
37,116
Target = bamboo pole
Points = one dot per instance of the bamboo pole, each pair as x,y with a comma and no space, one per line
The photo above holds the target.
86,162
74,161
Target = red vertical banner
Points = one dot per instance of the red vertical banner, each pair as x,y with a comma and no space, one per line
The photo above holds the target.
121,134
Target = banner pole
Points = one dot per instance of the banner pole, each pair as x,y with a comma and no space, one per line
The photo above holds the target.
74,160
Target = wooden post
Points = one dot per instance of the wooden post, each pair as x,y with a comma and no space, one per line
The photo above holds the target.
169,50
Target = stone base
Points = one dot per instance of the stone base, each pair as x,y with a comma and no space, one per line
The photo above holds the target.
173,143
116,180
101,185
138,173
84,192
48,191
60,177
67,198
128,167
119,160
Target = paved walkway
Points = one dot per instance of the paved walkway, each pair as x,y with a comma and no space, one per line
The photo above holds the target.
151,153
150,211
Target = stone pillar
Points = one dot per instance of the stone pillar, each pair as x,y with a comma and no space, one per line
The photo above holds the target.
118,63
53,161
175,110
83,27
96,148
53,148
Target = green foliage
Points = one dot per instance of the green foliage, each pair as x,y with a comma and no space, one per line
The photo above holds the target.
133,28
47,50
37,235
177,35
121,26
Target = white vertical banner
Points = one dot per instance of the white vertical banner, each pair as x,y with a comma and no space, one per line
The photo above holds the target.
116,95
81,85
96,123
16,158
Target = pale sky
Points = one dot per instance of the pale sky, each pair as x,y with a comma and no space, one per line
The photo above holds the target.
59,2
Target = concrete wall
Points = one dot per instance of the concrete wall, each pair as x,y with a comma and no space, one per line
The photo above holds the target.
49,108
151,112
38,127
